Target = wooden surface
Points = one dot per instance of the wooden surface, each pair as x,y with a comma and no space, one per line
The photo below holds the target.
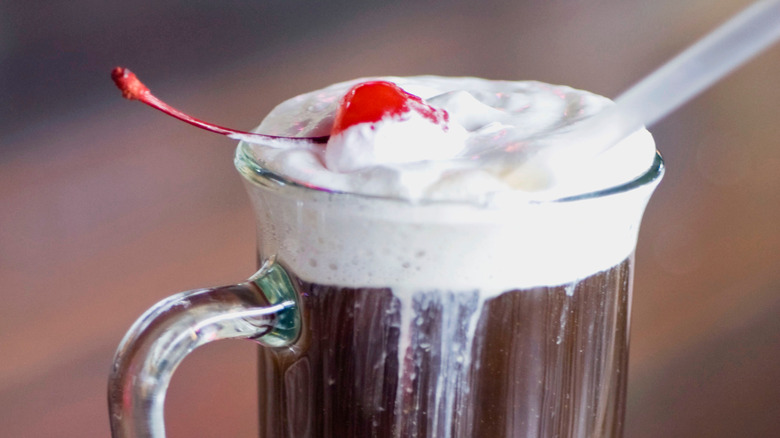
108,208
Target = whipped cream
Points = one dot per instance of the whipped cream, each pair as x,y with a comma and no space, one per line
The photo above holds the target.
501,137
388,142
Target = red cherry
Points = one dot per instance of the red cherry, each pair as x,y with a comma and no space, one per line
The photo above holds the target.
370,102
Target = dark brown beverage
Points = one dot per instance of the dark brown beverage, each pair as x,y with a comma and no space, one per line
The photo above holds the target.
545,361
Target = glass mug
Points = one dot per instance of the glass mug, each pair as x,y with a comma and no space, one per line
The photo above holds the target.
384,318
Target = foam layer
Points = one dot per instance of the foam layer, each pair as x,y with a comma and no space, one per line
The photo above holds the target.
356,241
497,236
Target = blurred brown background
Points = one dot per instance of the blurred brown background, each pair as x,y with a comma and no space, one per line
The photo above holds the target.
107,207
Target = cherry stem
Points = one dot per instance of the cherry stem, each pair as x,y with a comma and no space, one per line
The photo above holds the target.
133,89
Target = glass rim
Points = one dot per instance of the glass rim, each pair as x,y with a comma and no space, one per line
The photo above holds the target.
254,172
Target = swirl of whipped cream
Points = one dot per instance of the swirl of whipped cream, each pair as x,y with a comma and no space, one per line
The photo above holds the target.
503,136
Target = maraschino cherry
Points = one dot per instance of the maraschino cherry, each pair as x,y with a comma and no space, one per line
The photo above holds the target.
366,102
373,101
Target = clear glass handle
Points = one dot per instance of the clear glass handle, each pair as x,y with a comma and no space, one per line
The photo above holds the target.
263,309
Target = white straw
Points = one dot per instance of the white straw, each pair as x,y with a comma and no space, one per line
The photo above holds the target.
689,73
